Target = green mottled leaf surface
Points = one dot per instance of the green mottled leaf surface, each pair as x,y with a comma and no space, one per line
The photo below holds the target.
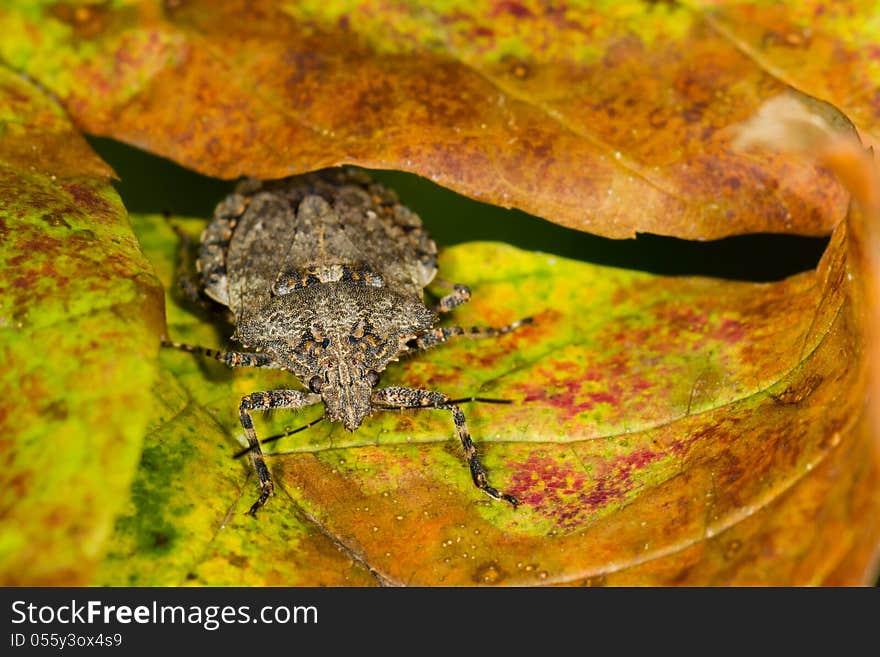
80,315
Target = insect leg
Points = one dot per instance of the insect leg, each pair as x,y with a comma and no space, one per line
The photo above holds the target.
263,401
460,295
230,358
399,398
442,334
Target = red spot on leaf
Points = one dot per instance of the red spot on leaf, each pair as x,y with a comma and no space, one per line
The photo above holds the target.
730,331
606,397
514,8
567,494
86,197
682,319
566,395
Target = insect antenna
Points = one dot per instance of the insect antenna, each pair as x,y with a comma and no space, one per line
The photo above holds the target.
485,400
278,437
460,400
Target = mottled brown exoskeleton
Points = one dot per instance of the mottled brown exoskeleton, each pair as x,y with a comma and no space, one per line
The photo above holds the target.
323,276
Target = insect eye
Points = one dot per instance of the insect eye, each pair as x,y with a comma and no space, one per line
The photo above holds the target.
315,383
372,377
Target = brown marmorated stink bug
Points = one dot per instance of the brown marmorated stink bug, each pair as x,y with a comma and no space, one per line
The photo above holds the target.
323,275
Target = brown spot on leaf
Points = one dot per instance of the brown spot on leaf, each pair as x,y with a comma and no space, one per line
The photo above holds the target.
238,561
55,220
489,573
799,390
732,549
88,20
518,68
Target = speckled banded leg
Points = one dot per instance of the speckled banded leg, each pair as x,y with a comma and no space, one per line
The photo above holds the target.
230,358
398,398
263,401
453,300
442,334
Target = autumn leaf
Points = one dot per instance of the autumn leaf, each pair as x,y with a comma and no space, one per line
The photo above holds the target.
663,430
829,51
80,314
614,118
683,431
